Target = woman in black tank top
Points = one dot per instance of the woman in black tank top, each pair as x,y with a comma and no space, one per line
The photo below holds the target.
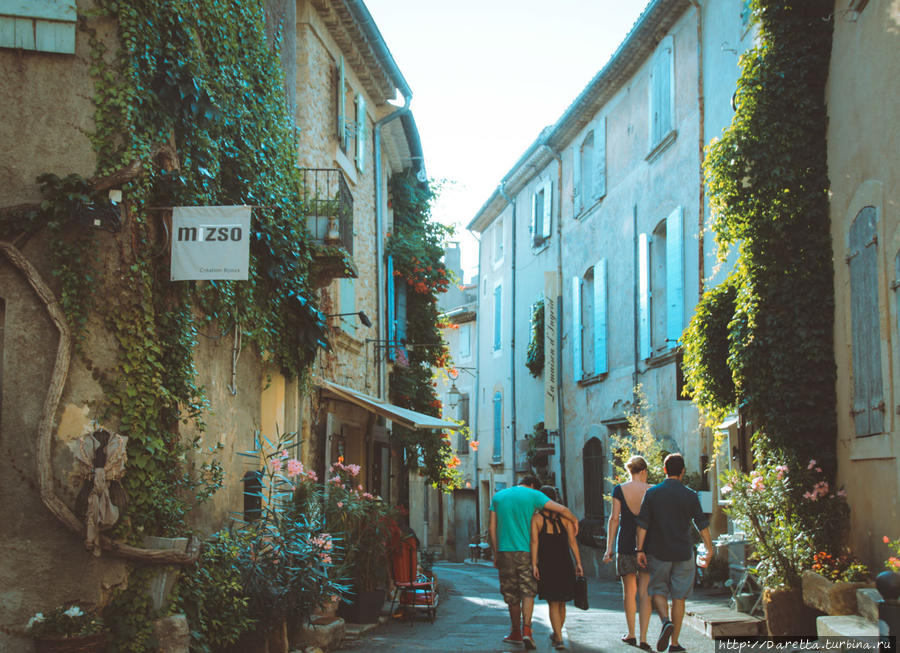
552,539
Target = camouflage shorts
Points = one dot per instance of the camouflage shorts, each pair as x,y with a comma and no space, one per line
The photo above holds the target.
516,580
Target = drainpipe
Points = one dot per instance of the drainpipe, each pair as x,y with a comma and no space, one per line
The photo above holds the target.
701,109
512,330
559,384
379,238
635,300
477,395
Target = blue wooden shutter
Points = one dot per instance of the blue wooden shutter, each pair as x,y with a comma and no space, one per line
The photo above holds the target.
391,324
535,209
600,318
348,305
600,159
548,209
674,277
360,132
401,291
577,329
868,393
577,195
644,295
41,25
498,426
341,106
498,317
661,100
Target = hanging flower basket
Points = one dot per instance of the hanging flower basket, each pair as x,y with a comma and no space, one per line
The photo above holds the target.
95,643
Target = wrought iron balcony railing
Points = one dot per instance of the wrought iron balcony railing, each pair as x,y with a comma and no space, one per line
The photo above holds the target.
329,207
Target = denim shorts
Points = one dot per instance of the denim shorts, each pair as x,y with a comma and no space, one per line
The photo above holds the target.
672,579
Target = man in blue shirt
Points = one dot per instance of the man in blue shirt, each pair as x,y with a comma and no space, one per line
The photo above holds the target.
664,546
510,533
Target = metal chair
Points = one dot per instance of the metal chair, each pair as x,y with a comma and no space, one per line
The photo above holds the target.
412,591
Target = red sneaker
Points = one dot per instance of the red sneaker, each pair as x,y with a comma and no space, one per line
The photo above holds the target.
528,637
514,637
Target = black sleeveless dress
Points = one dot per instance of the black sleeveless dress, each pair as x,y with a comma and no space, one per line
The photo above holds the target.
555,564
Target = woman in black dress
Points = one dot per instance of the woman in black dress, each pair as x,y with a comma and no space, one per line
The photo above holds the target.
551,540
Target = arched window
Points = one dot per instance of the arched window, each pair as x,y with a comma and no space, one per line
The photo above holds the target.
593,479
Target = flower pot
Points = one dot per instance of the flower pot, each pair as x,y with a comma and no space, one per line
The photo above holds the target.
88,644
164,577
787,614
828,596
365,607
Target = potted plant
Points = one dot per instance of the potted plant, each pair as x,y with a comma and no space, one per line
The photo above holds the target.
788,513
830,584
69,628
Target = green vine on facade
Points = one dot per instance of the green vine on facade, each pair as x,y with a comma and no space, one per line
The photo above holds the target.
534,354
417,247
768,184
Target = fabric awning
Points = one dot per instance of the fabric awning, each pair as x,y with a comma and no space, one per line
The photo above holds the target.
730,421
404,416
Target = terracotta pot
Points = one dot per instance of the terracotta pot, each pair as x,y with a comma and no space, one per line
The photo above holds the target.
787,614
87,644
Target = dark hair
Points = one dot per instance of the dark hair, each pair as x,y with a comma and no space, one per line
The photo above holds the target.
531,481
636,464
674,464
551,492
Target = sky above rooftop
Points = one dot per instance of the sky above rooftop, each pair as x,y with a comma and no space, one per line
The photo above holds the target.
487,76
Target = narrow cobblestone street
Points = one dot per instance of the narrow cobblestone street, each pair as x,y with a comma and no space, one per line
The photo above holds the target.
472,617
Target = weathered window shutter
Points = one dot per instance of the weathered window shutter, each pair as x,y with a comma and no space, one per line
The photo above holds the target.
548,209
41,25
498,426
391,324
577,330
348,304
577,195
868,393
401,291
341,105
599,185
644,295
360,132
674,277
498,317
661,99
600,317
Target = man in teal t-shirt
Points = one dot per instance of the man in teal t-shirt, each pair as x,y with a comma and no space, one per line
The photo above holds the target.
510,532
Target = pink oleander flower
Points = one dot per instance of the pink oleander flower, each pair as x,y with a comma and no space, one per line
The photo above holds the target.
781,470
295,467
353,469
335,479
727,488
367,495
757,483
312,476
812,463
340,504
284,453
819,469
275,465
359,487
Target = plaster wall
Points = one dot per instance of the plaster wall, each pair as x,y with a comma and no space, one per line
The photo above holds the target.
642,191
863,97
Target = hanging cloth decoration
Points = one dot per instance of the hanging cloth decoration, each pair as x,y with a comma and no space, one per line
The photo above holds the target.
100,461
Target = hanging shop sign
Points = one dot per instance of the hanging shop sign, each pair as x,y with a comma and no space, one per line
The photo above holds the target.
551,321
210,242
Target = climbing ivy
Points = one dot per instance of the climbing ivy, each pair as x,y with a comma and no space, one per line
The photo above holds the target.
417,247
767,181
534,354
191,101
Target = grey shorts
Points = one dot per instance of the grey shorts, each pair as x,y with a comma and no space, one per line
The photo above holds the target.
626,563
516,578
674,580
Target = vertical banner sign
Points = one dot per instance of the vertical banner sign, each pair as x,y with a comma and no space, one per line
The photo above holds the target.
210,242
551,373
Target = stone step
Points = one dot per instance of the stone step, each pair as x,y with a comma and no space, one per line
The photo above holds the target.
867,600
850,625
725,622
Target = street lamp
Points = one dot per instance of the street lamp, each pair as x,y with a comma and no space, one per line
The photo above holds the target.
366,322
453,396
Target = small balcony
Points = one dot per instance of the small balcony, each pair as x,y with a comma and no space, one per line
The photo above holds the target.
328,205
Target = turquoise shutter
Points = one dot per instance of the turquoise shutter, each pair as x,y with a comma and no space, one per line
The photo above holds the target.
532,228
391,324
577,195
498,426
348,305
498,317
577,328
360,132
600,318
674,276
600,158
644,295
342,105
401,291
666,98
548,209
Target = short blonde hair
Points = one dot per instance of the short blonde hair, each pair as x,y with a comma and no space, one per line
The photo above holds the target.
635,465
